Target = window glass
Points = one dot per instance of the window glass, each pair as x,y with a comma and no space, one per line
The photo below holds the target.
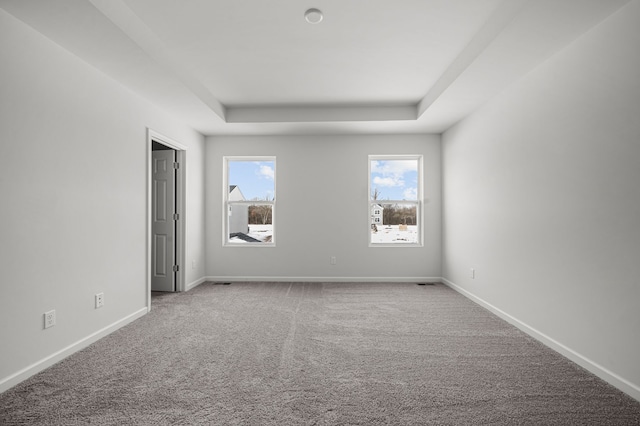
395,200
250,190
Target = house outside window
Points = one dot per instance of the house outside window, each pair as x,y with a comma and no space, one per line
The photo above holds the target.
376,214
395,202
249,201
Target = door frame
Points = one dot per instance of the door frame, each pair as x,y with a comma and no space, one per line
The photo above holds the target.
181,156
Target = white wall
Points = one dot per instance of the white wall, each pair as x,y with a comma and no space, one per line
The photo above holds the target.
73,183
195,235
314,171
542,197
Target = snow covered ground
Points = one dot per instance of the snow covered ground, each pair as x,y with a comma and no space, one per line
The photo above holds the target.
262,233
393,234
387,234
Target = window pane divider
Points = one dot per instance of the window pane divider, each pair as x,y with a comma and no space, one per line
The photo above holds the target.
395,202
253,203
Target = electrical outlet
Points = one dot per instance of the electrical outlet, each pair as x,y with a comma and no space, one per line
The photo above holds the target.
333,260
472,273
193,264
99,300
50,318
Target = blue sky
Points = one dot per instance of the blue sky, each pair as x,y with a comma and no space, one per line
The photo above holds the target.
255,178
395,179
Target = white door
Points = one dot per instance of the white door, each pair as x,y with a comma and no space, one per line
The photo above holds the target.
163,226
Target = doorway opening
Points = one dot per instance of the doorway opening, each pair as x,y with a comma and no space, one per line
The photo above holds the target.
165,214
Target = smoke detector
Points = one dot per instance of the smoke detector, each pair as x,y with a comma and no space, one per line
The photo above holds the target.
313,16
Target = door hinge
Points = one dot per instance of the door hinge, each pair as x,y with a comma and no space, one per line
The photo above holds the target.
176,165
176,268
176,216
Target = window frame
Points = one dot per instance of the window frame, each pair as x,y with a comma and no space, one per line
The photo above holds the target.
227,204
419,202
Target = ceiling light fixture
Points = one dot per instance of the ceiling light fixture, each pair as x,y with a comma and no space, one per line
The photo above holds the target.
313,16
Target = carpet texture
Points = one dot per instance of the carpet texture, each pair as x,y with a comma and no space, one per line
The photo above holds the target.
316,354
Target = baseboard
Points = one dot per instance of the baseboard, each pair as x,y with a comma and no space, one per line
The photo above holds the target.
324,279
610,377
25,373
196,283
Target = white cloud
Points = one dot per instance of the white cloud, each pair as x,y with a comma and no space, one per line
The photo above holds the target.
410,194
266,172
394,167
391,173
389,181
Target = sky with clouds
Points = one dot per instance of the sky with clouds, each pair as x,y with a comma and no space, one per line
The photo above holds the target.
255,178
395,179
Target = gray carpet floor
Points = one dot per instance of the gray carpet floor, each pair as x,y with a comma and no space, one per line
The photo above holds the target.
317,354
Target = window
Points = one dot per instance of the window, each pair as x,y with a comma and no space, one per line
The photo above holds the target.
395,188
249,201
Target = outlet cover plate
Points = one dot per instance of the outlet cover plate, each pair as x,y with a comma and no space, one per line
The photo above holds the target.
99,300
50,318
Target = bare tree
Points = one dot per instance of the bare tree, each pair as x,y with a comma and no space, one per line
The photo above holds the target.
375,195
261,213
